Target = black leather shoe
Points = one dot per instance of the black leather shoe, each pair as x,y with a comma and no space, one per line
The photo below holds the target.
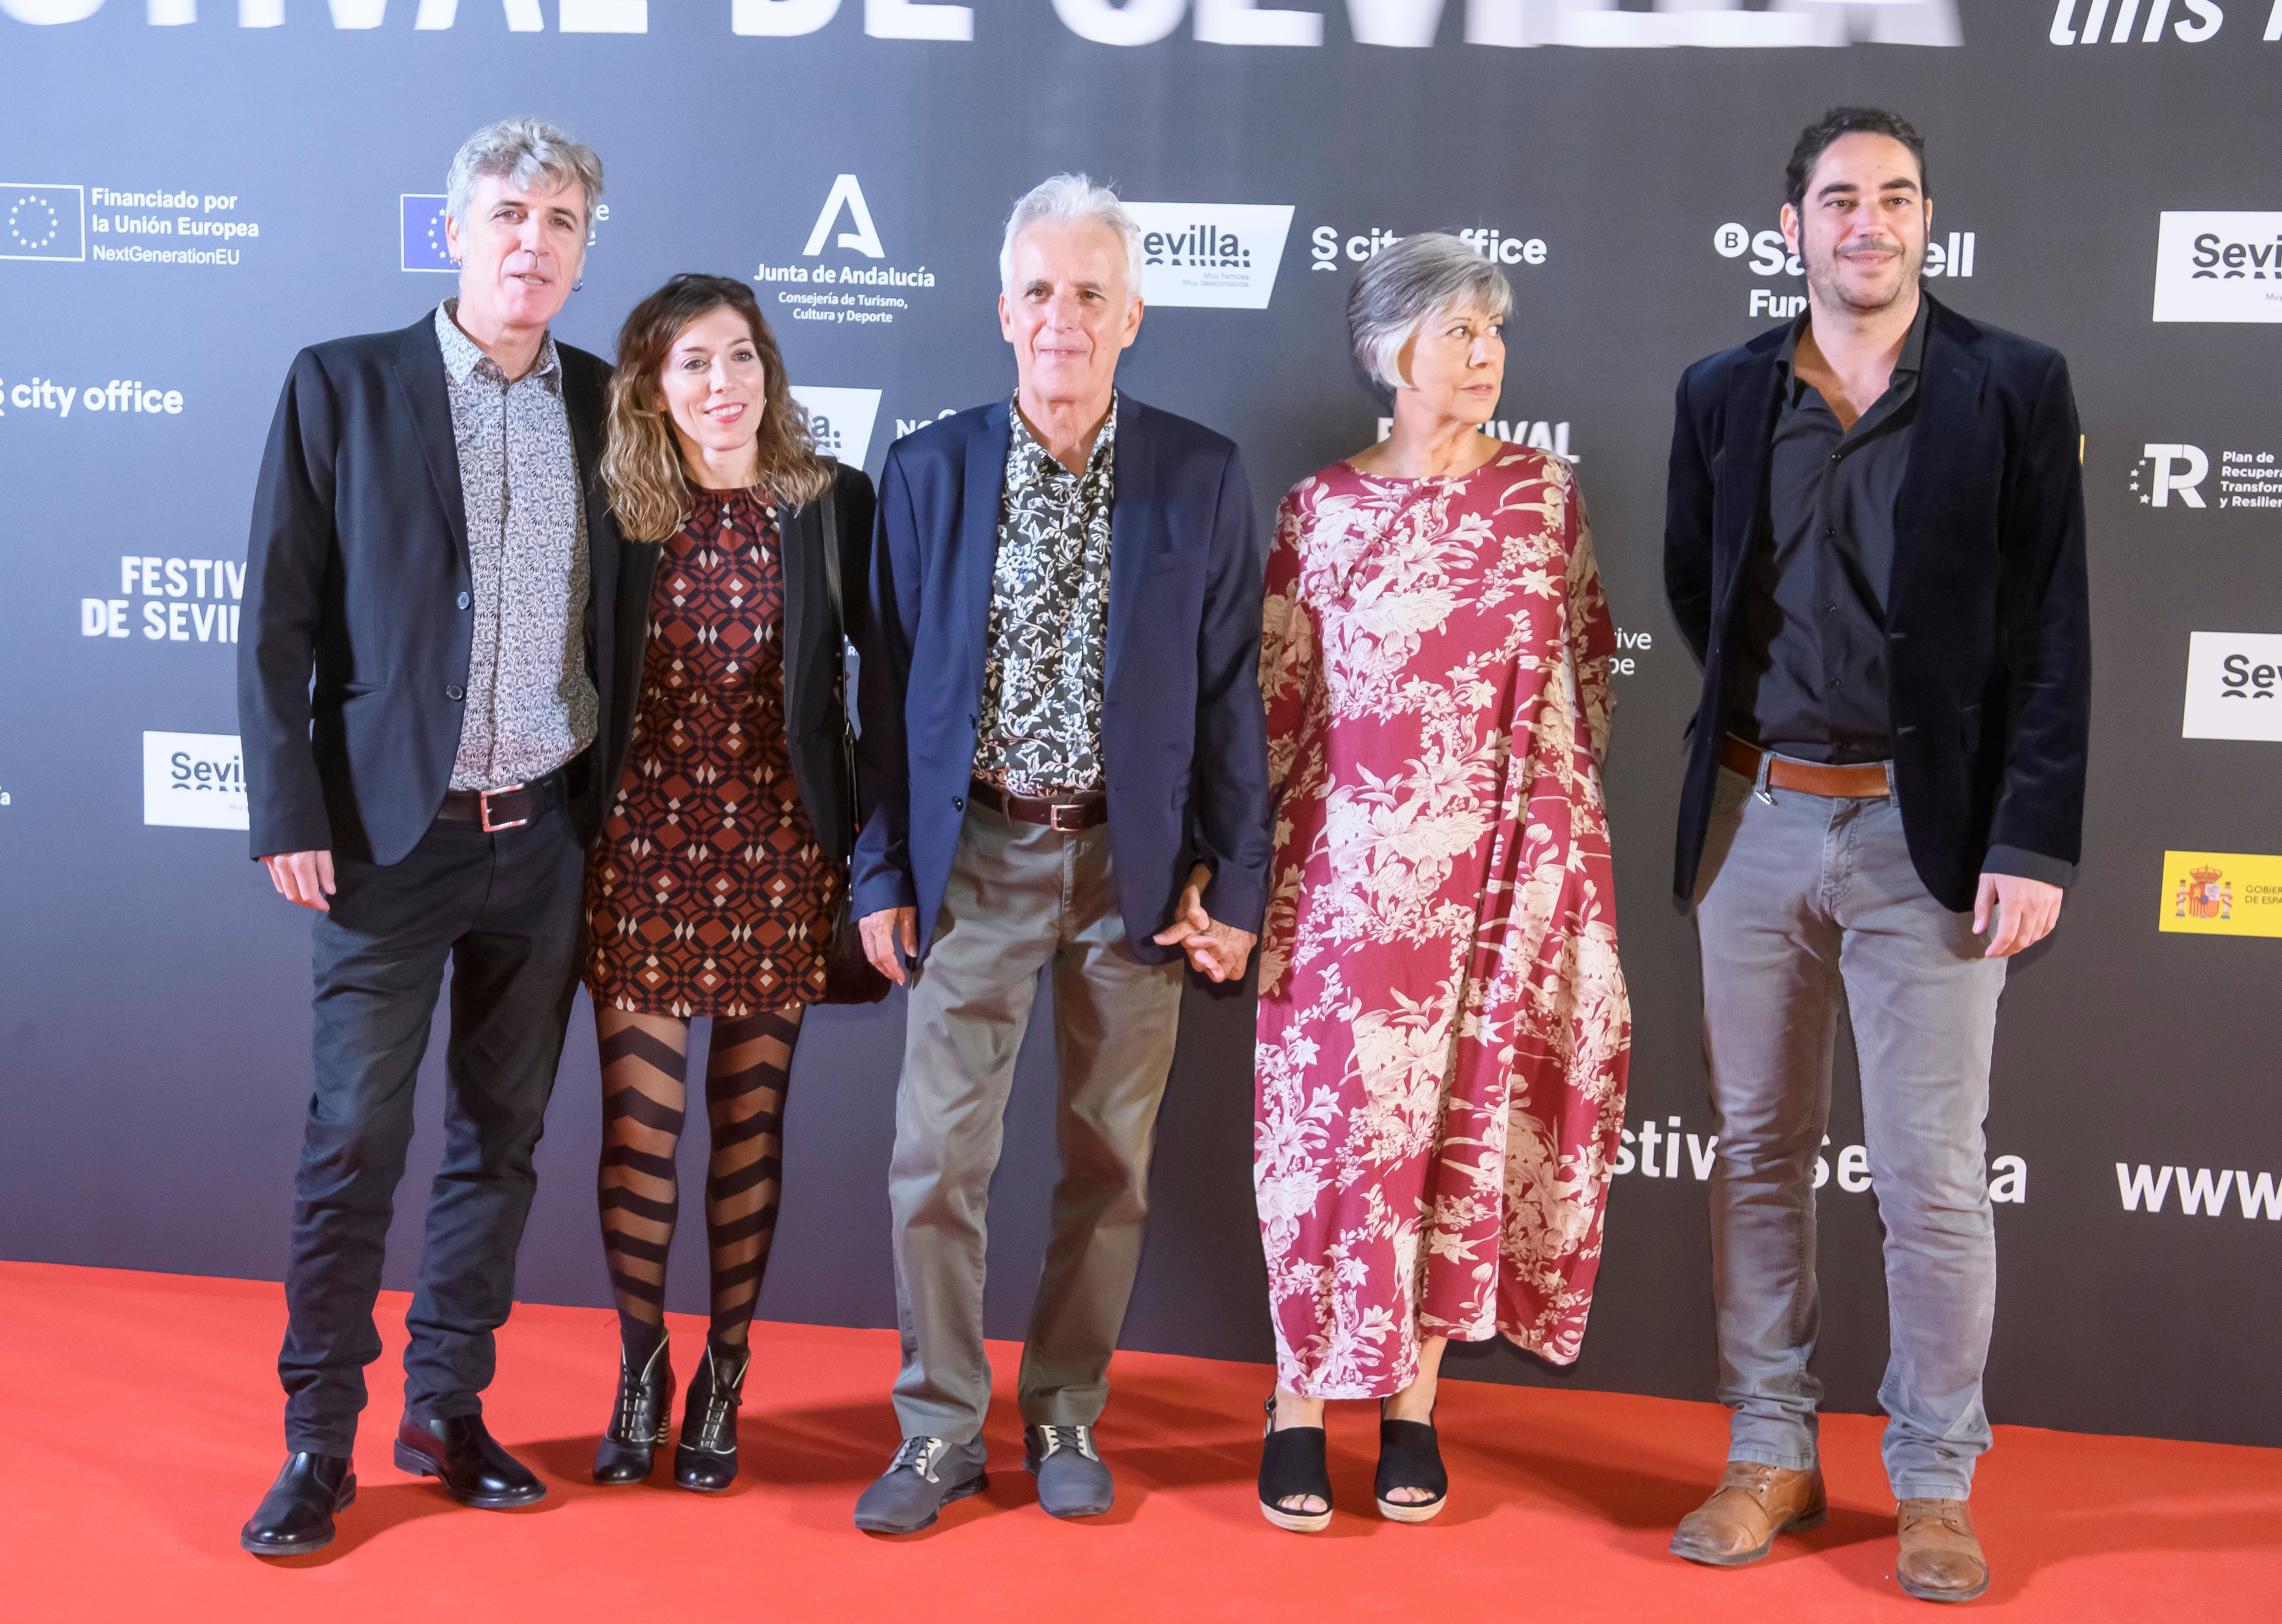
645,1410
475,1470
296,1516
706,1457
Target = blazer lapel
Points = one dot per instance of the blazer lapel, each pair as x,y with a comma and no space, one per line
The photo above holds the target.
801,562
1950,379
1133,509
420,375
1744,452
977,564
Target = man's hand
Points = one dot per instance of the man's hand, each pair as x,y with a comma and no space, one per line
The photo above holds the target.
2027,909
1218,950
881,932
304,878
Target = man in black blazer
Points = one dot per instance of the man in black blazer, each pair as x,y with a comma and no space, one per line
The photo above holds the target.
1064,742
431,720
1875,546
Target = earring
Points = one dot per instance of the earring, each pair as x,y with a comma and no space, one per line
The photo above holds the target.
578,284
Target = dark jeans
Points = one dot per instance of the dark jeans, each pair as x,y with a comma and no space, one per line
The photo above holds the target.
504,909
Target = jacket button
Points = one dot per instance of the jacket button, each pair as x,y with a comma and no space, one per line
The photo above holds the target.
959,802
456,692
463,600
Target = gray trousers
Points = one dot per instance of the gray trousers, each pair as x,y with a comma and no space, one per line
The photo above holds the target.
1022,896
1800,905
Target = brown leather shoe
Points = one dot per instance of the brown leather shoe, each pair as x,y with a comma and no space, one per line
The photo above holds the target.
1752,1504
1941,1561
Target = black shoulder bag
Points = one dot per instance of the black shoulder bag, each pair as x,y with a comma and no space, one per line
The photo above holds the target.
849,977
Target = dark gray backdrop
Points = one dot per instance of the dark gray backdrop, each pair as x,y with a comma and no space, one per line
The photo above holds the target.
154,1013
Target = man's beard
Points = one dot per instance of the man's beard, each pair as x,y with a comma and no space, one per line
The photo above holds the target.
1831,290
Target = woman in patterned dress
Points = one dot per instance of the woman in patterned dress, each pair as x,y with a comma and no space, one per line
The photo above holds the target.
713,887
1443,1024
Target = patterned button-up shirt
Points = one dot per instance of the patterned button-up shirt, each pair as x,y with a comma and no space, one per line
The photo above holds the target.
529,704
1039,733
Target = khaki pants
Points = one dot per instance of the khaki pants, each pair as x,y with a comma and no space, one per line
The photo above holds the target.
1022,896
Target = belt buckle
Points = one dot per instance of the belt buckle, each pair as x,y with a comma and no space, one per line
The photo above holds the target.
484,807
1054,819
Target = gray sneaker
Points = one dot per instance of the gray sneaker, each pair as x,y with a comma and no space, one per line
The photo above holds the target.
926,1475
1072,1480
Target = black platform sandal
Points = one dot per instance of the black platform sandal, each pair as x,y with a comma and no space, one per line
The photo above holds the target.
1409,1457
638,1427
1291,1467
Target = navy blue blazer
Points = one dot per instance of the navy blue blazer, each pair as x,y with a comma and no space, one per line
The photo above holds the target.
1183,737
1988,615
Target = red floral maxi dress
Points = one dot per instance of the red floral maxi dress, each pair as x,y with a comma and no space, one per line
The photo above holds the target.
1443,1023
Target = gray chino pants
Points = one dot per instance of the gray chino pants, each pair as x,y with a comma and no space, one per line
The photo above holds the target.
1022,896
1800,905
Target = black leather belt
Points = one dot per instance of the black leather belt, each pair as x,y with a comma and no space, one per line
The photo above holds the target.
504,808
1068,816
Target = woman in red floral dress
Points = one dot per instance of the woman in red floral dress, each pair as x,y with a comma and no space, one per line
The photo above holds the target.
1443,1026
713,888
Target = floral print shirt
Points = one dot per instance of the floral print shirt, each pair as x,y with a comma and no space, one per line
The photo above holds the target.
1039,731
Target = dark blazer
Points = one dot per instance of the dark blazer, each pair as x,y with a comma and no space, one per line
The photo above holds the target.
1988,621
354,634
1183,737
814,641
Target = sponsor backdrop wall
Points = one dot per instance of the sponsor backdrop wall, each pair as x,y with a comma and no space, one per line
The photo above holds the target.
193,191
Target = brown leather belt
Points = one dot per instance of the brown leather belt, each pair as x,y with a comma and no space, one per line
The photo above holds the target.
501,809
1867,781
1068,816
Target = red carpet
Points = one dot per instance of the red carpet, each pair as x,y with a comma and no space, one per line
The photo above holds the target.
1562,1501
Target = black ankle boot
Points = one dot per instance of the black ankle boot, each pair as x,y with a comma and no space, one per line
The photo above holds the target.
296,1516
706,1458
638,1427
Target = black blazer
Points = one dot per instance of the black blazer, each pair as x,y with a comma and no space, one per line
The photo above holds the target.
815,638
353,637
1987,618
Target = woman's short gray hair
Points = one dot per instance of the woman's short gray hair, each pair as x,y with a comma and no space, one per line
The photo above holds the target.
522,151
1405,286
1071,199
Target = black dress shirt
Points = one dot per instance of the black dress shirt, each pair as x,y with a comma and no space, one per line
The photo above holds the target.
1810,682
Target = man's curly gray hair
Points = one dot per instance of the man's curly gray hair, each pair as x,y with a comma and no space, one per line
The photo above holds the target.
521,151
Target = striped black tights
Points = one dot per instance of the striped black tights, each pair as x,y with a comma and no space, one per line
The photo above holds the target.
645,1071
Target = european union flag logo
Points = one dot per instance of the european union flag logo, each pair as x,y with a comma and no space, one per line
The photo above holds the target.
424,246
42,222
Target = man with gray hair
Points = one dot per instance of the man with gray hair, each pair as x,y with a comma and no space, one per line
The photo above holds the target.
433,622
1063,732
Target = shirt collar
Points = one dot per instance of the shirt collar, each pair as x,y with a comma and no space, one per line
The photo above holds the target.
1022,446
462,355
1911,358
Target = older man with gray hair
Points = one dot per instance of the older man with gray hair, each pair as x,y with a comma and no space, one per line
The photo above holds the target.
1076,778
430,729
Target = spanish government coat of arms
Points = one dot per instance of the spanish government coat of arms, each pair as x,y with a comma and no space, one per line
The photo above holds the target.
2205,893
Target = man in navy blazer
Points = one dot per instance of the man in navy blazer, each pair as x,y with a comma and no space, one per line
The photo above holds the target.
1874,545
1066,757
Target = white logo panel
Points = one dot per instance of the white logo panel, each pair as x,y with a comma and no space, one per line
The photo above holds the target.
1217,256
193,780
841,418
2234,686
2219,264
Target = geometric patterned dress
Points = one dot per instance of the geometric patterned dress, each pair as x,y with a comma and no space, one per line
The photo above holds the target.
1443,1026
707,893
